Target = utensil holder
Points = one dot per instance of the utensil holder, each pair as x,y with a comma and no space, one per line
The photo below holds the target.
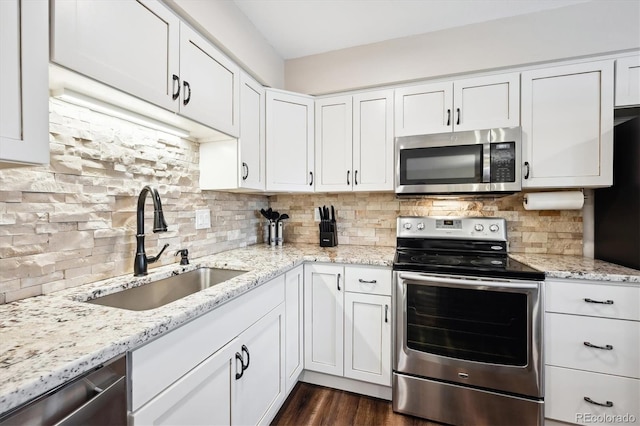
279,233
272,234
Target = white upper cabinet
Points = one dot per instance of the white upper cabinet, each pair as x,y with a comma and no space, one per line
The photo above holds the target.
373,141
628,81
354,142
130,45
142,48
24,107
252,134
289,131
210,83
567,126
239,164
470,104
334,144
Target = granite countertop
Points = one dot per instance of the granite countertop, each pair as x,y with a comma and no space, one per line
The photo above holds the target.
578,267
48,340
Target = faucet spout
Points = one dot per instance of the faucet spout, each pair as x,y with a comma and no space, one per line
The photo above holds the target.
141,260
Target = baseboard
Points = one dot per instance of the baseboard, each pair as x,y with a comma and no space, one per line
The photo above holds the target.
349,385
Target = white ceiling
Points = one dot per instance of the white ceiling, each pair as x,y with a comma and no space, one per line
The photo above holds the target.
297,28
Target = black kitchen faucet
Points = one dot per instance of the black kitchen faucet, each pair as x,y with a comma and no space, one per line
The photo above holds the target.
159,225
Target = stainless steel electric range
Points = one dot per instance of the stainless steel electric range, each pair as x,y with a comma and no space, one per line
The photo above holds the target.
468,337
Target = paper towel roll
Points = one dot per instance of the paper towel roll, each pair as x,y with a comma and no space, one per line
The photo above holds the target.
561,200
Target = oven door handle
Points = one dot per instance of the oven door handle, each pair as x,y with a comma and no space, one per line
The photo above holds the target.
463,282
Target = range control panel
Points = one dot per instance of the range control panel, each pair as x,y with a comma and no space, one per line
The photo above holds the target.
468,228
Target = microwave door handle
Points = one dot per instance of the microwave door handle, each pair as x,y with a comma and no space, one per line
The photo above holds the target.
486,163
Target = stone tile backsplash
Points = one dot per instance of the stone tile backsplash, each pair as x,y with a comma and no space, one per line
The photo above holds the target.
370,219
74,221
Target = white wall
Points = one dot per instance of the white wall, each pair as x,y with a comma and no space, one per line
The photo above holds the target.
580,30
223,23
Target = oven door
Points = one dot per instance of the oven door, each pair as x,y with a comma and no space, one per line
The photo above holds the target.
485,333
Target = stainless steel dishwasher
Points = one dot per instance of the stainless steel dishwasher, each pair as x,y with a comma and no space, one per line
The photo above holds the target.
96,398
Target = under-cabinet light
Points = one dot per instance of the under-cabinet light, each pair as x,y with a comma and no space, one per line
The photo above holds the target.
116,111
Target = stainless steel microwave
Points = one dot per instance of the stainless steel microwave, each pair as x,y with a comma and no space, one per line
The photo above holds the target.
462,162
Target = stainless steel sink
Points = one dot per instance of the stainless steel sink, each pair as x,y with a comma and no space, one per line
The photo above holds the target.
159,293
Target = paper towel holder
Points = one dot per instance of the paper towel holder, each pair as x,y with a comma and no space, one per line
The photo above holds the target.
555,200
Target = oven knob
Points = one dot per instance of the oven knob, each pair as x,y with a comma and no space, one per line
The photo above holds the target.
420,226
407,226
494,228
478,227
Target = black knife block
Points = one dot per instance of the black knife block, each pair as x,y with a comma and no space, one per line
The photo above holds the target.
329,239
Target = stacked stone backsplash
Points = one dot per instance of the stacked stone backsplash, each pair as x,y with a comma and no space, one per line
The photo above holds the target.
370,219
74,221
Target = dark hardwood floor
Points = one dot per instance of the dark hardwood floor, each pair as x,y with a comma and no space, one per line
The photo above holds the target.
316,405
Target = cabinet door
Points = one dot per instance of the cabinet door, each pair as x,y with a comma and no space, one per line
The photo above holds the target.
201,397
294,326
324,318
259,392
373,141
209,83
130,45
334,141
252,138
628,81
567,126
486,102
424,109
24,106
367,335
289,127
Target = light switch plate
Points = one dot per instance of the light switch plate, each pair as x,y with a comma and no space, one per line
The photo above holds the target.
316,214
203,219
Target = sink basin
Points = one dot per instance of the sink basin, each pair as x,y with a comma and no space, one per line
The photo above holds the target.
167,290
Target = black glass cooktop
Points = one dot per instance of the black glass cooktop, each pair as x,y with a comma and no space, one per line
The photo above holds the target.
498,265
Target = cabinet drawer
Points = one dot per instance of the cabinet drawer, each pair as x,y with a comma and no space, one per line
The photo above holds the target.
368,280
566,335
161,362
566,390
582,298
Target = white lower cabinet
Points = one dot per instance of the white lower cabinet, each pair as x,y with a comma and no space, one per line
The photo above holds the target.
257,382
367,336
324,318
200,397
347,328
239,384
294,326
226,367
592,360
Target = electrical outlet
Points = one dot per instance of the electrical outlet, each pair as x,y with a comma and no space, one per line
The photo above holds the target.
203,219
316,214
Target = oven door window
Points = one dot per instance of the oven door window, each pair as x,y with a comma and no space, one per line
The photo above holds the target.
476,325
441,165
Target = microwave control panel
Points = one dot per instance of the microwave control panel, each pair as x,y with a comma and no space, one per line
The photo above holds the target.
503,162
